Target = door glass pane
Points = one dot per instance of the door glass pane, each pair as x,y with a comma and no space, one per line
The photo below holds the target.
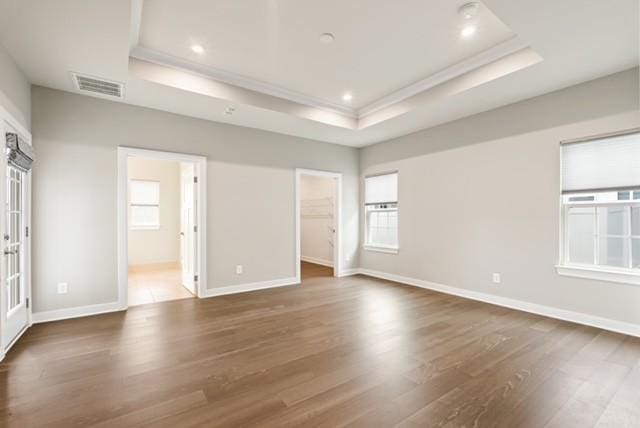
12,241
635,252
611,220
613,252
580,229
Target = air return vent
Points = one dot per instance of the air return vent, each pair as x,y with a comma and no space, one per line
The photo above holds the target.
98,86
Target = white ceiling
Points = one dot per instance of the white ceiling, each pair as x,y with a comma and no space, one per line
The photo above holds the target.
279,77
277,41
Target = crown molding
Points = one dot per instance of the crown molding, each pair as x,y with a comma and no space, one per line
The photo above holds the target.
238,80
485,57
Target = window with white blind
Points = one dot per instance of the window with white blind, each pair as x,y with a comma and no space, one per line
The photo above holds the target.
601,208
144,200
381,212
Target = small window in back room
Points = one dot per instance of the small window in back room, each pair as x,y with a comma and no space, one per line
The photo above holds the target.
144,202
381,211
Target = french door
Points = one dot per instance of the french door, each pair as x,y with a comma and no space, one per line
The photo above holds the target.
16,301
188,231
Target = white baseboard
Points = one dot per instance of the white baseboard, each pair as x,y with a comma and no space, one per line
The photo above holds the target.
243,288
348,272
316,261
79,311
548,311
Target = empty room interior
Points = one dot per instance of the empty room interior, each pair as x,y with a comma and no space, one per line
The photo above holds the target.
320,213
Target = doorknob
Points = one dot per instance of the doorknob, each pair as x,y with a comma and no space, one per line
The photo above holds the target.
9,252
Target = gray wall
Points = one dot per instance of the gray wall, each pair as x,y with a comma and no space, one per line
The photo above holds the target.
251,182
15,90
481,195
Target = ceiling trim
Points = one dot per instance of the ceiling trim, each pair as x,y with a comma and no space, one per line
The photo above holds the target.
161,58
136,21
485,57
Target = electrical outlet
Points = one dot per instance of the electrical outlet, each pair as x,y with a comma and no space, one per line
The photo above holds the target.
497,278
239,269
63,287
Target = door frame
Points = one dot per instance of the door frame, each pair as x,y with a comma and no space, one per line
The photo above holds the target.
337,265
9,119
200,164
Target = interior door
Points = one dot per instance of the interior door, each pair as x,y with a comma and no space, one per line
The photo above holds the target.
15,304
188,225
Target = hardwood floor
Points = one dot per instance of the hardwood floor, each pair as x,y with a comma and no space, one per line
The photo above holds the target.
352,351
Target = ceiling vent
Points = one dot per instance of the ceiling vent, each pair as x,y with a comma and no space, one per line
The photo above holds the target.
98,86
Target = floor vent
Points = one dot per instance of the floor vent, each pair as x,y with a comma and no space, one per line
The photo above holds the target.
98,86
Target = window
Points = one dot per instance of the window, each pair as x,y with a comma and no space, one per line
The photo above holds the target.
144,199
601,207
381,212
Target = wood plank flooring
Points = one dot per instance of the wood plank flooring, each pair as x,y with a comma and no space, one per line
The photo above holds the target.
353,351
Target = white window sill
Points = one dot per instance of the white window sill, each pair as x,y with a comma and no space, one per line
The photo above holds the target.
388,250
599,274
144,227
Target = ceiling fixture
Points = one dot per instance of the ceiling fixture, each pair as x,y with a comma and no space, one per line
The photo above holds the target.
229,111
327,38
347,97
197,49
469,10
468,31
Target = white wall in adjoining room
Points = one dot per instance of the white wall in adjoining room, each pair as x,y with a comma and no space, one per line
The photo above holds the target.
482,195
149,246
317,202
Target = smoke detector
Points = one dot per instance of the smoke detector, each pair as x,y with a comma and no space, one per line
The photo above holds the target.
469,10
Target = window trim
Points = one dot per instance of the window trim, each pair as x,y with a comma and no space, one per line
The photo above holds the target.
595,272
379,248
133,226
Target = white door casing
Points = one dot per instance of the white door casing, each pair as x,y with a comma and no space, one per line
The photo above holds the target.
187,225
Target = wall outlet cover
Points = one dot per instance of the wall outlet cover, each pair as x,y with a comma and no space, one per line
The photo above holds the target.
239,269
497,278
63,287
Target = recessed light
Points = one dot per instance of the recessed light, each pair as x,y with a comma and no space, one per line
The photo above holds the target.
468,31
327,38
347,97
469,10
197,49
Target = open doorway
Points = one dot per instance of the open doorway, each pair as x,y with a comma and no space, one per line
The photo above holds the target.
318,223
161,202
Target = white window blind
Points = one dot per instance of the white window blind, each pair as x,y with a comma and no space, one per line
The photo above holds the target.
381,189
610,163
145,203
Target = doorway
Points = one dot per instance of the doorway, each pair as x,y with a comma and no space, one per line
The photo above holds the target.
17,158
161,244
318,223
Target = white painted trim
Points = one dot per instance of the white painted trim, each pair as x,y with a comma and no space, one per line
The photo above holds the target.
254,286
136,21
317,261
485,57
349,272
337,253
76,312
548,311
488,56
230,78
200,163
387,250
608,275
